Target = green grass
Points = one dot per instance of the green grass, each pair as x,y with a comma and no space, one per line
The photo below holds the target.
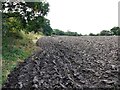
15,48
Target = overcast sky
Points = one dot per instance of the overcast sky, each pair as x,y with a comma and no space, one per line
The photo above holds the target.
83,16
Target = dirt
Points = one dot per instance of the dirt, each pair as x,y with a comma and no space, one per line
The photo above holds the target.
85,62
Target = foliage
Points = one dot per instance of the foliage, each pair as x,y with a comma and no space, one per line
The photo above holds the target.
58,32
105,33
115,31
68,33
47,30
28,16
91,34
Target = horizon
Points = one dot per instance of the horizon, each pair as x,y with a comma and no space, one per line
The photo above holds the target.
83,16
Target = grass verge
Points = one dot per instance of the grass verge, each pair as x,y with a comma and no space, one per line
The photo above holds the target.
15,48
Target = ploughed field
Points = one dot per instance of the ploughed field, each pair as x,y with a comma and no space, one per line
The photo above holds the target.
70,62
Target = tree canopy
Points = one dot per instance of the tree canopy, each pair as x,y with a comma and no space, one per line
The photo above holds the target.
114,31
68,33
29,15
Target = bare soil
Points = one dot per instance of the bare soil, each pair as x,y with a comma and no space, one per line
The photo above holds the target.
85,62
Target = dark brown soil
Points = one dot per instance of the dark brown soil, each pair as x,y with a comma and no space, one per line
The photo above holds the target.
84,63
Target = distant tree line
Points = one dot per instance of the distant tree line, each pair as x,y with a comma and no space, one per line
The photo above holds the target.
62,33
114,31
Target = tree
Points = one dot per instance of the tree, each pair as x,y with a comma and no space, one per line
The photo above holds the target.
69,33
30,14
105,33
58,32
47,30
91,34
115,31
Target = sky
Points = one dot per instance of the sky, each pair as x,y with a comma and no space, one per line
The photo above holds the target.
83,16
